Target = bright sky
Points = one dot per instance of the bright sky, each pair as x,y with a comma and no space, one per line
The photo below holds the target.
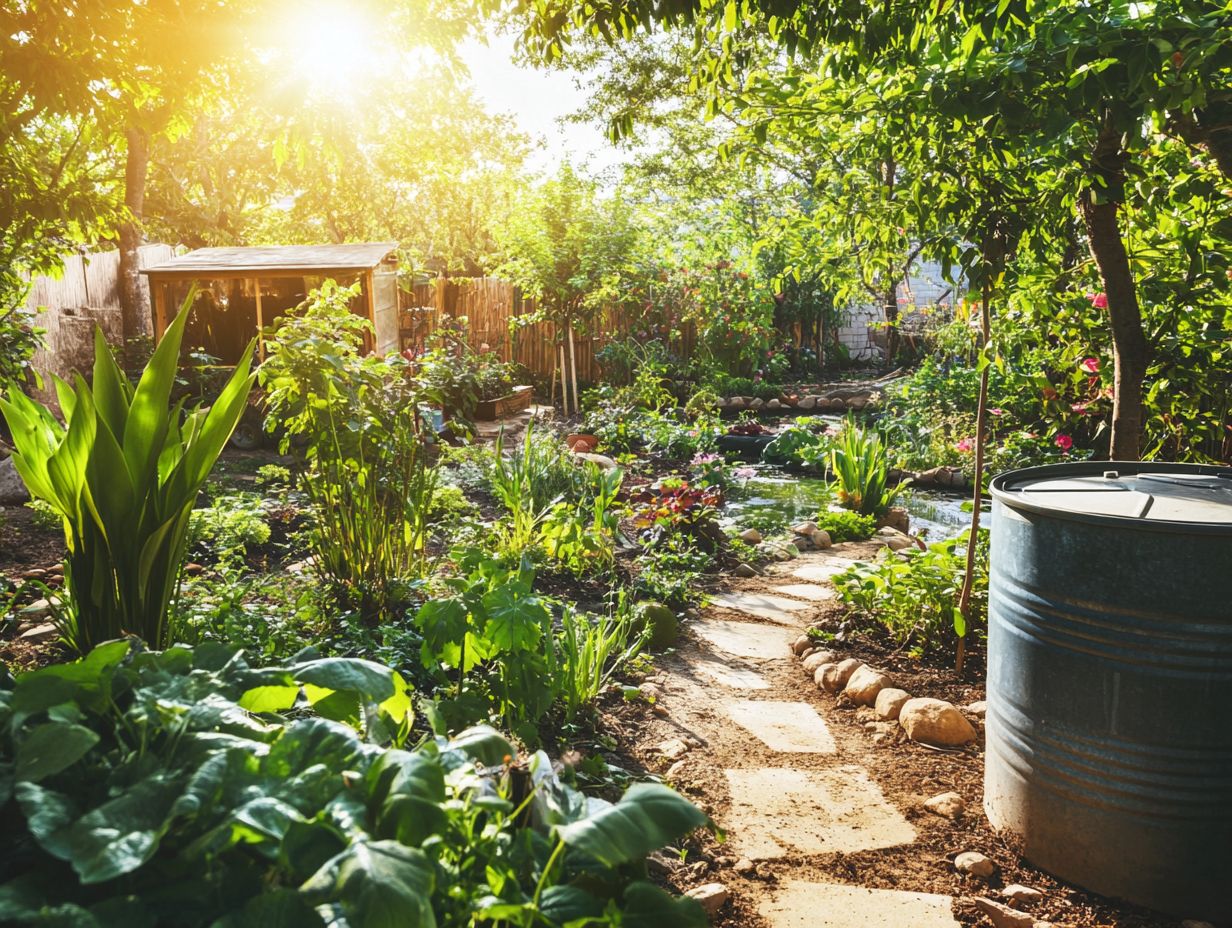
537,100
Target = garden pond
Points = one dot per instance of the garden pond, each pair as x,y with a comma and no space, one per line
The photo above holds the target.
774,498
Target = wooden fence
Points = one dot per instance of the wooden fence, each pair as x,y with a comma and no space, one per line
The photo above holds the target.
68,307
490,305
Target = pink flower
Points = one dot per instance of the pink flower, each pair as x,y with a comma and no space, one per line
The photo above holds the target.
1090,365
744,473
1064,442
996,411
965,445
1098,300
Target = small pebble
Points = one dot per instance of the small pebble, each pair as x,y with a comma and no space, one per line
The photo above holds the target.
745,866
975,864
1016,892
712,896
947,805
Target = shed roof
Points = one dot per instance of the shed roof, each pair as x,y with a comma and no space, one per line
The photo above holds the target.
272,258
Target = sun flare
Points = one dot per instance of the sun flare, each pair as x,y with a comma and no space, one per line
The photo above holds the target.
332,47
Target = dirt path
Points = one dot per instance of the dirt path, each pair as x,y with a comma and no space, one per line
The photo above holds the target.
822,805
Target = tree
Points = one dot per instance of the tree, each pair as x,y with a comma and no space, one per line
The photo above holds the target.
1085,80
574,250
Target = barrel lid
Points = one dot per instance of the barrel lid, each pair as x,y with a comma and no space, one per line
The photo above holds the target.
1143,492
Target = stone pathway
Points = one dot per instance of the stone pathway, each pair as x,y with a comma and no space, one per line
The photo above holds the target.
800,797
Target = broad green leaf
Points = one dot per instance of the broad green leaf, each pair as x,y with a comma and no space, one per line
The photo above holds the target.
261,699
650,906
123,833
51,747
648,816
368,678
483,744
379,884
279,908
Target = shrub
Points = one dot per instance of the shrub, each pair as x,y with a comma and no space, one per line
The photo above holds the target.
915,597
801,446
845,525
368,483
670,572
123,473
164,788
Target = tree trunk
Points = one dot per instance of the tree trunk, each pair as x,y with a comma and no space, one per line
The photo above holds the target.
1208,128
889,304
134,301
1129,346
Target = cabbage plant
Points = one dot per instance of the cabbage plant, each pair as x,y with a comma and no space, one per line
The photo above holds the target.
123,472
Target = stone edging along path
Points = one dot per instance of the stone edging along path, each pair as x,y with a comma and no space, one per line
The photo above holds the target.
785,790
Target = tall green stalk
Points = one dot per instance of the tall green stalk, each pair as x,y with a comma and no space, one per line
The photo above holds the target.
123,472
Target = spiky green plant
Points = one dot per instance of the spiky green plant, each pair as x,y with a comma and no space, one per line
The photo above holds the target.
860,463
123,473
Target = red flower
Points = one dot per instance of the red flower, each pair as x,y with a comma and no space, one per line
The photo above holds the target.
965,445
1090,365
1098,300
1080,408
1064,442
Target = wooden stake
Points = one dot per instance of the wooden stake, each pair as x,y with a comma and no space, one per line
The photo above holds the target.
577,406
981,418
552,388
260,320
564,382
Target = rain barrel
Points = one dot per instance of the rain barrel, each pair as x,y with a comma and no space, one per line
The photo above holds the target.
1109,722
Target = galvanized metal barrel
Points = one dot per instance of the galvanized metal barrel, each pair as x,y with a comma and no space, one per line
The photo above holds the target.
1109,726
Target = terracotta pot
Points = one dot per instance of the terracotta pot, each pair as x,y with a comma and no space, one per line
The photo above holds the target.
582,444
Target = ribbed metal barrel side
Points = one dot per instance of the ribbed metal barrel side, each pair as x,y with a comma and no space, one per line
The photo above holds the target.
1109,726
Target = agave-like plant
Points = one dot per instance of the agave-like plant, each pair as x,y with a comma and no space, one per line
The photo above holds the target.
860,463
123,472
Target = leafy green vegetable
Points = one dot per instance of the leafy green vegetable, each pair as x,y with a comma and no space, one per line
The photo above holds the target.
143,794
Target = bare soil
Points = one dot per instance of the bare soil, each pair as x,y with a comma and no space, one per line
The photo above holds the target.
687,706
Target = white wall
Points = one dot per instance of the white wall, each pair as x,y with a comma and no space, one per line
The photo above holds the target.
861,331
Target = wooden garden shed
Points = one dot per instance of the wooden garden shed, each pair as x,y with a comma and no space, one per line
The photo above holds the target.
242,290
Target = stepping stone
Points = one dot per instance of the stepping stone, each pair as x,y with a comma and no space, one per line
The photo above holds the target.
738,678
790,727
810,591
829,905
775,812
743,639
821,572
761,605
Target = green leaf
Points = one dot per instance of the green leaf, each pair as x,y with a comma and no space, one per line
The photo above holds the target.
50,748
261,699
279,908
650,906
348,673
483,744
379,884
122,834
648,816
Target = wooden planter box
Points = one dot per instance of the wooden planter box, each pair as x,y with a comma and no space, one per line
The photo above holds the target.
502,406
